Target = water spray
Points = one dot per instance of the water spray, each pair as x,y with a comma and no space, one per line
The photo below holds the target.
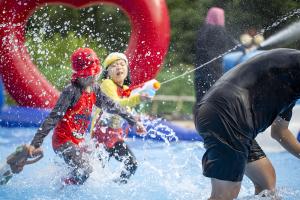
282,38
204,64
290,34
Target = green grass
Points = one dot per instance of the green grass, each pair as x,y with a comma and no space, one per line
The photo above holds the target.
52,56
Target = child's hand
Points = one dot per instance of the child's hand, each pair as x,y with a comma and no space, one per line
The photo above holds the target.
140,129
33,152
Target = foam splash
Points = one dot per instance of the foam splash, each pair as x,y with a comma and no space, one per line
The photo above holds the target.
279,194
157,129
165,172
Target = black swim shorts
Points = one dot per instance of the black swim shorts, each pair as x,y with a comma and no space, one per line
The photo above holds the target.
228,137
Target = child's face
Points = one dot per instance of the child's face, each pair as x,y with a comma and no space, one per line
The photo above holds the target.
118,71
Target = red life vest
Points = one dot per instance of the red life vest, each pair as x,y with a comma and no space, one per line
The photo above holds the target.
123,92
74,124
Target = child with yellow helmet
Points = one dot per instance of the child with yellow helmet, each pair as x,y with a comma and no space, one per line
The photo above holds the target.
70,118
107,128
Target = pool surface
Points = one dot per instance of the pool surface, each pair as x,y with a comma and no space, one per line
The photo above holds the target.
165,172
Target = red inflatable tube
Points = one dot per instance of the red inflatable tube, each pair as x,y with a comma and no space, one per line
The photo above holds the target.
147,47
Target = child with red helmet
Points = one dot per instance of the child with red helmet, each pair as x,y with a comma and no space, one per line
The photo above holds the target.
71,115
107,129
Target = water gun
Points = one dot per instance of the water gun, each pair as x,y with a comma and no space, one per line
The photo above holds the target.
16,161
148,88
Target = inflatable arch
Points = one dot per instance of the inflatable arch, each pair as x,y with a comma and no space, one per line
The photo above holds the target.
147,47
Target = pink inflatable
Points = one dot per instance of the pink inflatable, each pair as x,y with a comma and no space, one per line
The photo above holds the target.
147,47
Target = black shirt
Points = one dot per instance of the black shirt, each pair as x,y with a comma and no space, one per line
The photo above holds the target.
269,85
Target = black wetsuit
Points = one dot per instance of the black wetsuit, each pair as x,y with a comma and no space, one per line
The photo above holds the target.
244,102
121,152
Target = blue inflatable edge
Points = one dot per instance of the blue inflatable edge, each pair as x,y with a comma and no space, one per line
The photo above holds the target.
19,117
16,116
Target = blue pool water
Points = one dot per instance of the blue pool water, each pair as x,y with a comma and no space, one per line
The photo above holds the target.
166,172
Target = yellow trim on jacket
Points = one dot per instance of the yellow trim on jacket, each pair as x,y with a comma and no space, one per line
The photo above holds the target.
109,88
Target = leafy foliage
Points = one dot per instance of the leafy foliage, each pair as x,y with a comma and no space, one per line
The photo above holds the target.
52,55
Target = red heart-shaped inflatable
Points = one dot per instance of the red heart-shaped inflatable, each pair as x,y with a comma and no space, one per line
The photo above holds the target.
147,47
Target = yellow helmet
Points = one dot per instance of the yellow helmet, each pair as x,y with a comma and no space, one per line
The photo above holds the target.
112,57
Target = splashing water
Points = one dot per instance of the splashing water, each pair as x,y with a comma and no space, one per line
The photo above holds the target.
281,20
157,129
212,60
165,172
41,26
261,32
286,36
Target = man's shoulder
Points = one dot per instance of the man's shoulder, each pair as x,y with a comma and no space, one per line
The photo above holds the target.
283,51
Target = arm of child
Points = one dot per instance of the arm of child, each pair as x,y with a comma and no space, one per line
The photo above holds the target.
55,115
111,106
109,88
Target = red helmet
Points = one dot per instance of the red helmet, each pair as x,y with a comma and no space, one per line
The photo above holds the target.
85,62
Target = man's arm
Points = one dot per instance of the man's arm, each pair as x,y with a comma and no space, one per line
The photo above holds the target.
281,133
